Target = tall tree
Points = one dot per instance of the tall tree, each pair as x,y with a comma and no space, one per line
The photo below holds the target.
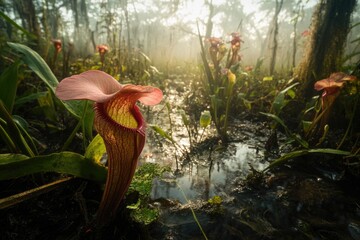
329,30
274,34
28,16
297,11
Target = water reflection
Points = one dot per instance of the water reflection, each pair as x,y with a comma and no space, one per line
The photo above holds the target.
203,178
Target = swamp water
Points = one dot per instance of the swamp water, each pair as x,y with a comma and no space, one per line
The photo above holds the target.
176,195
222,190
246,204
214,173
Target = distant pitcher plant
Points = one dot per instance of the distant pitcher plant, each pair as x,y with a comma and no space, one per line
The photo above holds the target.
331,88
119,122
220,73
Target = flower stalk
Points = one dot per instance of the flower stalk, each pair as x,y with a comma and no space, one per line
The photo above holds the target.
119,122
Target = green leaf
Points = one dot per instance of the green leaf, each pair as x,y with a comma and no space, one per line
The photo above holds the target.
162,133
306,125
21,122
46,103
184,118
39,66
247,103
12,130
8,86
135,205
287,131
96,149
268,78
36,63
28,98
6,138
18,165
279,101
291,93
145,215
299,153
205,119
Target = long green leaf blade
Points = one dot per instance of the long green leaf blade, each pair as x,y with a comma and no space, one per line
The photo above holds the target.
8,86
39,66
294,154
18,165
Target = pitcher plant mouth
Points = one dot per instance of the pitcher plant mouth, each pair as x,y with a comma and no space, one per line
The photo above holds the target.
119,122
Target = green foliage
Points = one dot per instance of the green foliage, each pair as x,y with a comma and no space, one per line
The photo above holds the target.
293,136
96,149
87,166
8,86
162,133
18,165
220,85
295,154
14,135
205,119
36,63
145,215
280,101
47,106
215,200
215,205
79,109
142,184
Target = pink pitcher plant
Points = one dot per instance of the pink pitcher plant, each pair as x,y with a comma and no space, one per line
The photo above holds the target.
235,47
119,122
58,46
331,87
102,49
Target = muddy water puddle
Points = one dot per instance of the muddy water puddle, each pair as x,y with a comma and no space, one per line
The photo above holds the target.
212,172
206,177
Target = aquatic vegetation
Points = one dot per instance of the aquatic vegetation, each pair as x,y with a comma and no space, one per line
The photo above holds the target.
142,185
280,102
119,121
221,78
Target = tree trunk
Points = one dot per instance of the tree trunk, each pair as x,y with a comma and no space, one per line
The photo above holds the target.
275,33
209,23
329,30
27,13
296,20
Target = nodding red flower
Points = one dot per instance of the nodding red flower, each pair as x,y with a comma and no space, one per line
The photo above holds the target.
235,47
119,122
215,42
306,33
248,68
235,41
102,49
333,84
216,46
57,44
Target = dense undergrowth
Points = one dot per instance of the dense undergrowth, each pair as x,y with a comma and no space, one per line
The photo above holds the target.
44,140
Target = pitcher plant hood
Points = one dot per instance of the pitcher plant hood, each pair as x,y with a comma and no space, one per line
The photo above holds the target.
119,122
